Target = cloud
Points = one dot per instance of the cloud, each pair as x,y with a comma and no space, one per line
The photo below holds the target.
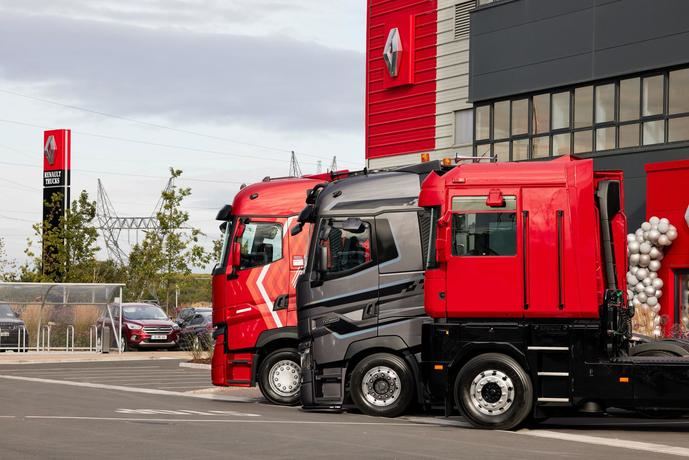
272,82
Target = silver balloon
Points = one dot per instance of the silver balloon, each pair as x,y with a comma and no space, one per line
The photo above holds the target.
656,321
659,293
631,280
645,247
685,320
653,275
653,235
649,291
646,226
641,274
634,259
647,281
644,259
664,240
671,235
639,287
652,302
633,247
633,270
656,309
642,297
654,220
657,283
631,237
655,252
654,266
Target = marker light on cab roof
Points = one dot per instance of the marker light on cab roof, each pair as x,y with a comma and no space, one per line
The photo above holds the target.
425,157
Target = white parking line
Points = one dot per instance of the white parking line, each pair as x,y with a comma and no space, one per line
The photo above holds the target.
610,442
287,422
100,368
149,391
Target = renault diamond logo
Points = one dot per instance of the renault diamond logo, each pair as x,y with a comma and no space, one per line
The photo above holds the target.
49,150
393,52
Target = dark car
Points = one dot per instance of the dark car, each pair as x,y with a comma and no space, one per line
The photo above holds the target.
197,332
186,314
11,329
143,326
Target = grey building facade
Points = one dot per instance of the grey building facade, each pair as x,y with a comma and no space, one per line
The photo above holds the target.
607,79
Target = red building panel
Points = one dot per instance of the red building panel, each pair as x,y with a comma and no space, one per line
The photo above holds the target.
400,110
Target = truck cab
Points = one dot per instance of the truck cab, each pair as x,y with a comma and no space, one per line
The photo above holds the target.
253,291
360,299
526,291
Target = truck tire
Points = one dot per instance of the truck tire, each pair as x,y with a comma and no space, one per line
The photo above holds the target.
494,392
279,377
382,385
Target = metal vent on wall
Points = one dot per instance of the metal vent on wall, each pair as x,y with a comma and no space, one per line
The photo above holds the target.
462,18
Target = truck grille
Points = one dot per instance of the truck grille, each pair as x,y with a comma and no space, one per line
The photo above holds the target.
158,330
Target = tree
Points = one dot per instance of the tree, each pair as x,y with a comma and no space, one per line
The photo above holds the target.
67,250
7,266
165,258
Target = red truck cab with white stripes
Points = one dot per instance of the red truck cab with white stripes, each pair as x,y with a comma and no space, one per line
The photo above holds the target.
254,307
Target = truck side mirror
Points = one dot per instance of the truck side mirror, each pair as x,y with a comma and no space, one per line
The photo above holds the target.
236,255
442,250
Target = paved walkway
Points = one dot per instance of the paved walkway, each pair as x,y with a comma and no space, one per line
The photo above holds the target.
10,357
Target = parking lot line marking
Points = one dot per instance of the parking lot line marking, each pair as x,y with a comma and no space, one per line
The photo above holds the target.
149,391
609,442
290,422
100,369
8,416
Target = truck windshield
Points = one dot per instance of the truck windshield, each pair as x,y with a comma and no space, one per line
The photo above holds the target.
346,250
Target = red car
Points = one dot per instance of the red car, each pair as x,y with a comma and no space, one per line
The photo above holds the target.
143,326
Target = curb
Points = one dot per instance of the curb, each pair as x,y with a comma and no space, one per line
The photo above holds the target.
196,366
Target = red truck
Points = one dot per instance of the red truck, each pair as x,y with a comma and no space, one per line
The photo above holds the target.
254,309
526,292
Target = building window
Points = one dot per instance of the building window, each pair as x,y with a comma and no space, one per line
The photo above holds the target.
464,127
560,110
482,122
583,107
625,113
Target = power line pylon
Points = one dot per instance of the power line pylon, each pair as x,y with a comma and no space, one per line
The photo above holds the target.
111,225
294,169
333,165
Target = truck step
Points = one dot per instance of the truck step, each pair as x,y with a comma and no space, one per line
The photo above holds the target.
534,348
553,374
554,400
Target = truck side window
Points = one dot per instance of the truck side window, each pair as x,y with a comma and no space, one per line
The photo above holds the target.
261,244
484,234
346,250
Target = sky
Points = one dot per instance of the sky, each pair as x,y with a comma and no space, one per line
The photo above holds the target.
222,89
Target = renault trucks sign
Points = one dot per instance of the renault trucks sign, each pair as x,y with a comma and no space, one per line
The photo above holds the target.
57,152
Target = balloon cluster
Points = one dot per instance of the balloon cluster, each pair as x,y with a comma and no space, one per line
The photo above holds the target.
645,249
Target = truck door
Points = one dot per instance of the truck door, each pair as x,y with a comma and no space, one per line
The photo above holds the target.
485,261
400,266
262,281
341,303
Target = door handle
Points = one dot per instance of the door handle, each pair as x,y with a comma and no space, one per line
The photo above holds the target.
281,303
370,311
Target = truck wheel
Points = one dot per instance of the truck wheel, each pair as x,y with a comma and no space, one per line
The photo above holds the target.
493,391
382,385
279,377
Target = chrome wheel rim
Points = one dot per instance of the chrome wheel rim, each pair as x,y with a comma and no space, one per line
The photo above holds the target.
381,386
284,378
492,392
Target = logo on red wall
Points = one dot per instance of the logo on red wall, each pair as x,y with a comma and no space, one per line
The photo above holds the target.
49,150
393,52
398,52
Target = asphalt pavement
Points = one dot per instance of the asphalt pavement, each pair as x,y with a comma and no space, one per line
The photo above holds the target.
108,410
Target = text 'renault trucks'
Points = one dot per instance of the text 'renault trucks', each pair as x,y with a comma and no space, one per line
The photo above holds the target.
526,291
254,308
360,299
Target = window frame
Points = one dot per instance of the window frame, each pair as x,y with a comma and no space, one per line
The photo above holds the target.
511,207
486,146
262,222
373,243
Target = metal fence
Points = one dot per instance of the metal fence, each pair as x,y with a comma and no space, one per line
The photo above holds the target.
66,317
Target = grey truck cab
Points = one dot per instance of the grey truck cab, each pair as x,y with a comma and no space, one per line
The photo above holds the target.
360,298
